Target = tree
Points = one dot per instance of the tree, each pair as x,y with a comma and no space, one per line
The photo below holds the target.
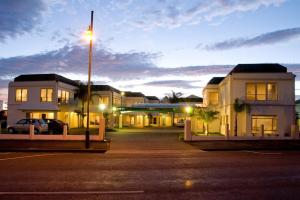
82,95
207,115
239,106
174,97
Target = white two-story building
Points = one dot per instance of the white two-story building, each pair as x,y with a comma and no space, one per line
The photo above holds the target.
53,96
266,90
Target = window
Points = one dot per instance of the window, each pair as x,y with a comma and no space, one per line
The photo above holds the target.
117,101
21,95
261,91
213,98
63,96
269,122
272,91
46,95
104,100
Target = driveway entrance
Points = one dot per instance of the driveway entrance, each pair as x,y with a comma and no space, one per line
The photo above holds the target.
146,140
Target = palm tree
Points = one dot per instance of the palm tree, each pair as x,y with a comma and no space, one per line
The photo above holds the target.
207,115
82,95
174,97
239,106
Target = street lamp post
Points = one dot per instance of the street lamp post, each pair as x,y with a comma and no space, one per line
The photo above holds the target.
87,132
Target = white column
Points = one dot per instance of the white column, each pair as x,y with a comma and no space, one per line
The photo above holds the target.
187,130
120,121
31,131
294,132
65,131
102,129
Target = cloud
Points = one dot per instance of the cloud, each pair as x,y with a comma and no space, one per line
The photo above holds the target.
116,66
174,14
19,17
182,84
263,39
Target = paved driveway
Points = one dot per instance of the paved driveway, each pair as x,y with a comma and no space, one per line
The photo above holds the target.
151,140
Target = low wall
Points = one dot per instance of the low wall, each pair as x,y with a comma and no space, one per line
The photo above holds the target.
48,137
206,138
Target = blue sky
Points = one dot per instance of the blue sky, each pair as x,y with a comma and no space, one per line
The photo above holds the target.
152,46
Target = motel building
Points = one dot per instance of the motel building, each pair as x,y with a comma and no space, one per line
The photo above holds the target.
267,91
51,96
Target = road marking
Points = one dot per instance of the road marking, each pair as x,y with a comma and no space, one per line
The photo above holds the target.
73,192
20,157
6,153
263,153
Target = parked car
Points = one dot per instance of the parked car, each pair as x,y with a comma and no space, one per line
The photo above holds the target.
3,124
180,123
22,125
55,126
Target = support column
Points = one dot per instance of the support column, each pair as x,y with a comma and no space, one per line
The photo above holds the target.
187,130
120,121
102,129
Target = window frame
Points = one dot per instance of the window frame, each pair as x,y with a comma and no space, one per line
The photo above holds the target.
272,117
46,101
22,99
266,91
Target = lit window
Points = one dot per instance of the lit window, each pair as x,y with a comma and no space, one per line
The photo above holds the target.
63,96
21,95
250,88
104,100
272,91
261,91
269,122
46,95
213,98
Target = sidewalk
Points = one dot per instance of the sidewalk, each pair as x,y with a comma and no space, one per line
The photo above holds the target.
285,145
53,145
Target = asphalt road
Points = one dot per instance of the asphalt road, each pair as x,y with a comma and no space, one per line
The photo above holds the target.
149,166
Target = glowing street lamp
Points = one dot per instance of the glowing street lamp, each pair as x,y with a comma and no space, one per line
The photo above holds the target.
89,35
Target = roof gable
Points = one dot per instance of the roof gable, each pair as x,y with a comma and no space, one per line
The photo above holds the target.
259,68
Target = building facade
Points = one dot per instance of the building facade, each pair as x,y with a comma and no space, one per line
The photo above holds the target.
267,93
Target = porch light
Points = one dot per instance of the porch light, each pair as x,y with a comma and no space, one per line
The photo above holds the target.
102,107
114,109
188,109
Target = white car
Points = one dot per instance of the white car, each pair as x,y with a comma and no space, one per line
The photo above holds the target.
24,124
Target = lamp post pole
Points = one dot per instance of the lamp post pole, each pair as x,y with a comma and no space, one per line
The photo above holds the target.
87,132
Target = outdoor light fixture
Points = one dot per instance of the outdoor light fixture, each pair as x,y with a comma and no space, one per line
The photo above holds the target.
122,93
188,109
89,35
102,107
114,109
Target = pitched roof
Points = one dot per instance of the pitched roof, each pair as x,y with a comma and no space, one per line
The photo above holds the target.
44,77
104,88
259,68
215,80
152,98
187,99
133,94
192,96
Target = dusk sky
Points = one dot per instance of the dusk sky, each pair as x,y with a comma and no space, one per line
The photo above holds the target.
152,46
